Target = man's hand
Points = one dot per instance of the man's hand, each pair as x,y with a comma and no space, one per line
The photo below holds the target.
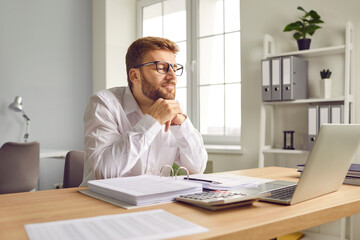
167,112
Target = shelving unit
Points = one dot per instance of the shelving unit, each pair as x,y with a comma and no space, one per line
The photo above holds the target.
346,98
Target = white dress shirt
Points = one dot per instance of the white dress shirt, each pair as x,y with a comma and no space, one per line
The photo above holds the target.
121,141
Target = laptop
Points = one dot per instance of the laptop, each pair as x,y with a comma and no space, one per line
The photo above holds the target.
325,169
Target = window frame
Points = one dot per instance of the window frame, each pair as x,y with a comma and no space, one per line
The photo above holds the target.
192,68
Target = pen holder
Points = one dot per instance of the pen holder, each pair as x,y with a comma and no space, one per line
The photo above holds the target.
325,87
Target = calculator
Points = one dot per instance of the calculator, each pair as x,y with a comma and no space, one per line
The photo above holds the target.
216,200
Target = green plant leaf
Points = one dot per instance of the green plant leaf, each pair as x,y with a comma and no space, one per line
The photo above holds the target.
312,28
304,19
297,35
300,8
306,15
314,14
315,21
293,26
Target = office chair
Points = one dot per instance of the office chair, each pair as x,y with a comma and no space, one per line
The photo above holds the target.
73,170
19,167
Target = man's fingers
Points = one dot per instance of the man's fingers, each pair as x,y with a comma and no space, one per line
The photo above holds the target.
165,111
178,119
167,125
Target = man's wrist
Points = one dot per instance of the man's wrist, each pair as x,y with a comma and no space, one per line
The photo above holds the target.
184,117
179,119
182,130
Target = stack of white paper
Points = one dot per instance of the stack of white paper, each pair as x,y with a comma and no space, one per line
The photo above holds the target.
143,189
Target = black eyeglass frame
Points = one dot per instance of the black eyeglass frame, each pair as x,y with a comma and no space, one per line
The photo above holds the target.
179,68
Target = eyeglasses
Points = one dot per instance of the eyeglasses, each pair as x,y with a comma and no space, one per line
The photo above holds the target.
164,67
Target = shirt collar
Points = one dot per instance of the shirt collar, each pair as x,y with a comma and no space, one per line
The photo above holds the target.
130,104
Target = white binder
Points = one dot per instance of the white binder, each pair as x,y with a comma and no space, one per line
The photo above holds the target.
276,86
313,125
266,79
294,78
337,114
324,115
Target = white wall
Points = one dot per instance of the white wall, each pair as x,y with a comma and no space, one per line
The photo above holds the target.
114,30
45,57
121,25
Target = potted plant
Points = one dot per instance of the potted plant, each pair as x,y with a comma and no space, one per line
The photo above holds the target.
307,25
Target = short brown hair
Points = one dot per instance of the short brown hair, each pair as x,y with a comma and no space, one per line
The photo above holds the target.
141,46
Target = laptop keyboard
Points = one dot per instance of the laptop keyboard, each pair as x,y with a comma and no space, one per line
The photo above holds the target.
283,193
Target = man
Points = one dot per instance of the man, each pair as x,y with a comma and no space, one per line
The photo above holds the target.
138,129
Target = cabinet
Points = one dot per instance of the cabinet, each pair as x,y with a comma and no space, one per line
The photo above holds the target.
341,61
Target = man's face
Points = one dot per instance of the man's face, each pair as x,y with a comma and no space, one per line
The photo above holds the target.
155,85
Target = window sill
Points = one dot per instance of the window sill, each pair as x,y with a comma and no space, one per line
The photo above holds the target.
227,149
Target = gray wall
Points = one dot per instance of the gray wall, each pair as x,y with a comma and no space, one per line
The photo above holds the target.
45,57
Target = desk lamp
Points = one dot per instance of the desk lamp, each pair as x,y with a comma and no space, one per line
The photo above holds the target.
17,107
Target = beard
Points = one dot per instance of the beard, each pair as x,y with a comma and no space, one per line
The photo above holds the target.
155,92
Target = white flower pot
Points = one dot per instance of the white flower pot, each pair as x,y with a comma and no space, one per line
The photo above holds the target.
325,88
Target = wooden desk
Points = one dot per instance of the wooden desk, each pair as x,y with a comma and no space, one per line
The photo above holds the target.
260,221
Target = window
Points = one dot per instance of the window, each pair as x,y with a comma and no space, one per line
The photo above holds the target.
208,34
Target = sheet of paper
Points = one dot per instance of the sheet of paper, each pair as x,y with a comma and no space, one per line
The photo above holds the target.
229,181
154,224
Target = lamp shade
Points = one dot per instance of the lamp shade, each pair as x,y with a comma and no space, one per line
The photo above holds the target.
17,104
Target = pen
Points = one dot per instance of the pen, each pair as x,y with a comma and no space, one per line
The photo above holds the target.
202,180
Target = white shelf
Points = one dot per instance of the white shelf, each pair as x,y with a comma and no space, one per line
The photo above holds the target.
285,151
313,52
228,149
306,101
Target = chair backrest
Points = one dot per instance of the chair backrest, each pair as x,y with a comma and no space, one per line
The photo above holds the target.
19,167
73,170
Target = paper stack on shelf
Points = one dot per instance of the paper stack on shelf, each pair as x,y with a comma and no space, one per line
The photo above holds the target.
144,189
352,176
